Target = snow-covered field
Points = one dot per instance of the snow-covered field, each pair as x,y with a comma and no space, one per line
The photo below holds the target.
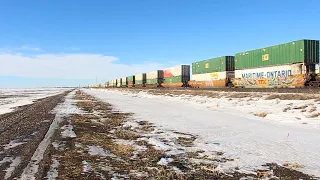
11,98
252,131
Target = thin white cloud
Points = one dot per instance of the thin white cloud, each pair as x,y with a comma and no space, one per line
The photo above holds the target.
29,48
5,50
85,66
72,49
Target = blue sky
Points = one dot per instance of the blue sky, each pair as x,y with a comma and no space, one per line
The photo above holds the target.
49,43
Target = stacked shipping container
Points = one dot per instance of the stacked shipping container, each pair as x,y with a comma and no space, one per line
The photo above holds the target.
140,79
124,82
176,76
212,72
114,84
131,81
119,82
277,66
154,78
291,64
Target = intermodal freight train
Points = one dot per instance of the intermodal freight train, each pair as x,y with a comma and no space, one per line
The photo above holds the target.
293,64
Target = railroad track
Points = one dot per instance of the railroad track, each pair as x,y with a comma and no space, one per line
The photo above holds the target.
311,90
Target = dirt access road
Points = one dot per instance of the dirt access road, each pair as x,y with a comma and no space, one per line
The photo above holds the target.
22,131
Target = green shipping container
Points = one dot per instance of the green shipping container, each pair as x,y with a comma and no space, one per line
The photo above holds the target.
219,64
140,82
152,81
130,78
177,79
301,51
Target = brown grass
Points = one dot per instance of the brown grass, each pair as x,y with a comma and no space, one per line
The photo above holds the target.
314,108
122,150
286,109
240,95
301,107
262,114
126,134
290,97
314,115
147,128
188,142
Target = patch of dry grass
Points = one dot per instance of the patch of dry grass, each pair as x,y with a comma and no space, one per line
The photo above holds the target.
122,150
314,108
262,114
286,109
290,97
314,115
301,107
240,95
186,141
126,134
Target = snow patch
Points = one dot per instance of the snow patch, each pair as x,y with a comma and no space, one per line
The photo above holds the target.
53,172
14,163
21,97
68,131
13,144
230,126
165,161
97,150
64,109
86,166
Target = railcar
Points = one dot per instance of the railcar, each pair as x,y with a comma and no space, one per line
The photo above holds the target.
177,76
215,72
289,65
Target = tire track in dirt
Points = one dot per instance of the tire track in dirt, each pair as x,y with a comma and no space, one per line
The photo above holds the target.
21,132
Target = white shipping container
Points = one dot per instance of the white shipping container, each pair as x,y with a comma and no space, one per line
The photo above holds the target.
119,82
152,75
139,77
177,71
124,79
317,69
212,76
269,72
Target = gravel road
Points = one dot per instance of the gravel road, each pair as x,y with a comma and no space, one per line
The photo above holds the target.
21,132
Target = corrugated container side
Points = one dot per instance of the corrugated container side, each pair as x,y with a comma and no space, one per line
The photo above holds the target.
229,63
140,78
130,78
172,71
154,77
219,64
210,76
177,74
301,51
119,82
124,81
152,74
185,73
311,51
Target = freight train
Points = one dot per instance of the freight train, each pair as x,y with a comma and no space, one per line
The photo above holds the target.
293,64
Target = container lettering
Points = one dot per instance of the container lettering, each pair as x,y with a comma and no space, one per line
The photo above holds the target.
270,74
